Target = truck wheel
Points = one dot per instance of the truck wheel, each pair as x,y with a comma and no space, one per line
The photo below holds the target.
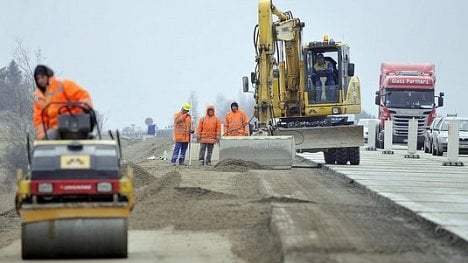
419,145
379,140
354,156
330,156
342,156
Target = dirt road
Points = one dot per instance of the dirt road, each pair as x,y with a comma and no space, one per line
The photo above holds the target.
235,214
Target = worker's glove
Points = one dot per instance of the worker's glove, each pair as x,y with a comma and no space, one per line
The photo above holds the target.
192,131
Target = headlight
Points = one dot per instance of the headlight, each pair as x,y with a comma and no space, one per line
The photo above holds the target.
104,187
45,188
335,110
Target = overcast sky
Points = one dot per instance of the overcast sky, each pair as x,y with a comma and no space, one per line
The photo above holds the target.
142,58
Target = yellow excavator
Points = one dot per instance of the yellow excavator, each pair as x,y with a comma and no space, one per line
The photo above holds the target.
303,94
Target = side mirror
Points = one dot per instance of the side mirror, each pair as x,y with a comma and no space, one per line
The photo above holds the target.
245,84
253,78
441,94
377,98
350,69
440,101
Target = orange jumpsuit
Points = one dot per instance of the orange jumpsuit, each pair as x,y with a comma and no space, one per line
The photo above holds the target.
209,128
236,124
57,91
182,125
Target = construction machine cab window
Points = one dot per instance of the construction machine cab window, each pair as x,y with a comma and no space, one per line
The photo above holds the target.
322,76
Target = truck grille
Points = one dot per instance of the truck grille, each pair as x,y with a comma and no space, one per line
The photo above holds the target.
400,123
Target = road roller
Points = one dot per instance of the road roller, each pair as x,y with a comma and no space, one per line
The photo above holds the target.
73,201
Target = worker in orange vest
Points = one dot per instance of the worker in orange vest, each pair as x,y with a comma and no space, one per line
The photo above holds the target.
49,89
208,134
182,132
236,123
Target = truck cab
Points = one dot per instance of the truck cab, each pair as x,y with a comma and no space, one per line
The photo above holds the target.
406,91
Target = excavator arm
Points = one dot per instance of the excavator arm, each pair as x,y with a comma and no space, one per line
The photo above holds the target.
277,78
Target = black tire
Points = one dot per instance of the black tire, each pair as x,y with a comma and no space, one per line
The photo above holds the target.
330,156
434,151
354,156
342,156
379,140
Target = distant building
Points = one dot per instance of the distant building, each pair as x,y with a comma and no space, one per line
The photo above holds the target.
133,132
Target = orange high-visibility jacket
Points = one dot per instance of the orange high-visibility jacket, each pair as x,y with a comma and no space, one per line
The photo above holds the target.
182,125
209,128
57,91
236,124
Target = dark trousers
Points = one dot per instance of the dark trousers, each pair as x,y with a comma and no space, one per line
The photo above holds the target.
179,152
208,148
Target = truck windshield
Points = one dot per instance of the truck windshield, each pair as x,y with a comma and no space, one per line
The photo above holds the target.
410,99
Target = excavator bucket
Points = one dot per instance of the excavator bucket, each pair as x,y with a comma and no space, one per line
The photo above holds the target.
315,139
276,152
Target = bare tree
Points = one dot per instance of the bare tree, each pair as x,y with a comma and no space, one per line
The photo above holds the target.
193,100
24,92
102,120
222,106
22,56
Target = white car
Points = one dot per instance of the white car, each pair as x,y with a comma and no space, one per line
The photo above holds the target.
365,124
440,137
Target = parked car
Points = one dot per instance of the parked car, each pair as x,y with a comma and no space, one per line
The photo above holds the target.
365,124
440,137
428,134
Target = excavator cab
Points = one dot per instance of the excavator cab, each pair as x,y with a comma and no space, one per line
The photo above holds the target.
322,76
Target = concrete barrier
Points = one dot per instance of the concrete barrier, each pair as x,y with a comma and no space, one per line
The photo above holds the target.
453,143
275,152
371,135
412,139
388,137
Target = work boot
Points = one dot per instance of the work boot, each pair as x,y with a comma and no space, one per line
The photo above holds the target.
182,164
201,162
208,163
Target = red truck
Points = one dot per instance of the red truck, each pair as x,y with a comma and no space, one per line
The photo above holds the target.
406,91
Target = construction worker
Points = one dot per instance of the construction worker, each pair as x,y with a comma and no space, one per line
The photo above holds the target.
182,131
49,89
208,134
236,122
323,68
